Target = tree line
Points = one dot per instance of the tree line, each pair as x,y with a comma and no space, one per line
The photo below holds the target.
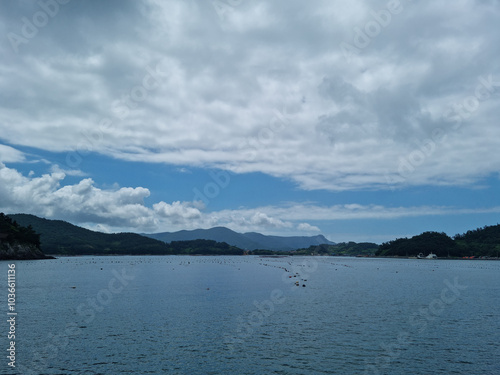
483,241
63,238
11,232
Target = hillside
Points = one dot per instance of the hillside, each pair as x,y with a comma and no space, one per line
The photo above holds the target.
18,242
60,237
63,238
480,242
344,248
219,234
425,243
247,241
285,243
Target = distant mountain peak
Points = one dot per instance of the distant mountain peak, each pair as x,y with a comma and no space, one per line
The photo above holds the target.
247,241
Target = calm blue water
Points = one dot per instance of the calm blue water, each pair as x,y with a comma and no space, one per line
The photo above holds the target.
245,315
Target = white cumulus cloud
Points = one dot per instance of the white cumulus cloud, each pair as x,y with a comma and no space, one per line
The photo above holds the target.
305,227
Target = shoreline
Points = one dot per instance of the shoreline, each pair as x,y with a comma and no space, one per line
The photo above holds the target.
56,256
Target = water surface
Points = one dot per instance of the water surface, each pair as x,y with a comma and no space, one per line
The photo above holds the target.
246,315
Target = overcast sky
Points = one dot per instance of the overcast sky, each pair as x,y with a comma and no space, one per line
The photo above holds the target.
360,120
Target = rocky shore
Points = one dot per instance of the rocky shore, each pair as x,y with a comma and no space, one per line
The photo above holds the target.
18,251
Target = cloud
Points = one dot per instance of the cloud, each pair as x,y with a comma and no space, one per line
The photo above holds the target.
124,209
179,213
305,227
184,170
55,168
261,219
266,88
118,209
11,155
80,203
297,212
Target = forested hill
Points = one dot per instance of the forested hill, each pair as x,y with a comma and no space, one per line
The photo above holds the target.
343,248
480,242
17,241
62,238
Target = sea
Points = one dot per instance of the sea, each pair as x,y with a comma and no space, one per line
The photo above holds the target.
252,315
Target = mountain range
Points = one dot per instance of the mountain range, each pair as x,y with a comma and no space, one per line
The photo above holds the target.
246,241
61,237
22,236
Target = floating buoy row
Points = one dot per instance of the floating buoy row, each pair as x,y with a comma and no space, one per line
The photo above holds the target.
296,275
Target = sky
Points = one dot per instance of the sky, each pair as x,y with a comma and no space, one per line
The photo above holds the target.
360,120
